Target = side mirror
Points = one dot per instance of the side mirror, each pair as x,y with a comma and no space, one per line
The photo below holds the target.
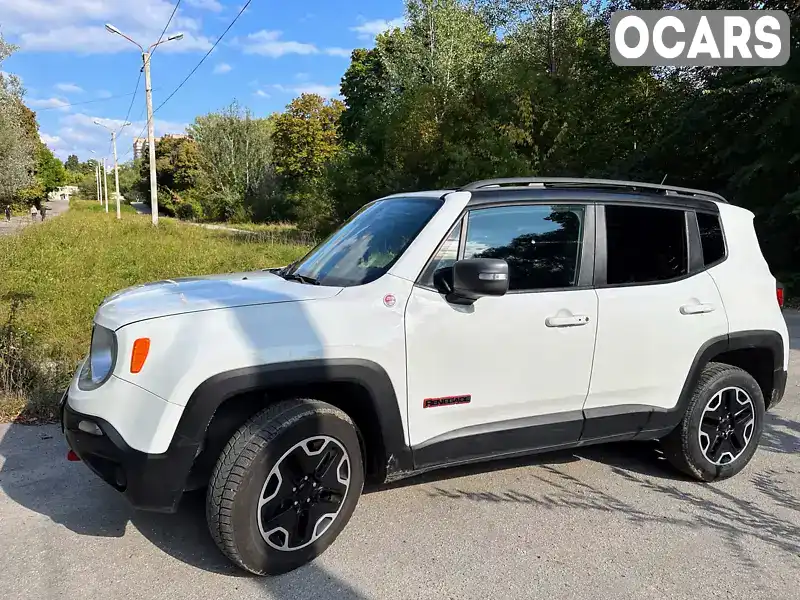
476,277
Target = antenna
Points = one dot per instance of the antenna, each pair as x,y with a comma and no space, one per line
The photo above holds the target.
663,180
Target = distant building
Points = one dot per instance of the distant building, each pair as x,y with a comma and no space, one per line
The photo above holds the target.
138,147
139,143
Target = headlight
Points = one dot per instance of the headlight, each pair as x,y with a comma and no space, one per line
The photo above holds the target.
102,357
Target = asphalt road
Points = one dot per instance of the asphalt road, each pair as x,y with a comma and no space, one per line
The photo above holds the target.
608,522
54,208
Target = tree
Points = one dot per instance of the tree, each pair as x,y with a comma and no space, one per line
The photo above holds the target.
177,170
72,164
17,148
235,152
306,139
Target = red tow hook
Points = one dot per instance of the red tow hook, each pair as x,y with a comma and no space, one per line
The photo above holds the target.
71,456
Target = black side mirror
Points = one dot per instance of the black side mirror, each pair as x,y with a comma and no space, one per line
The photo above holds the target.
476,277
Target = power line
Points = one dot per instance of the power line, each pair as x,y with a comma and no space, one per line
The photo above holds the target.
135,91
163,31
84,102
202,60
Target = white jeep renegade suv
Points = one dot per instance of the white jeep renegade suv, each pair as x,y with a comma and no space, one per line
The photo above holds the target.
435,328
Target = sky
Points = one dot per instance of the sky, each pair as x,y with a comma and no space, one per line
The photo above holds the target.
76,72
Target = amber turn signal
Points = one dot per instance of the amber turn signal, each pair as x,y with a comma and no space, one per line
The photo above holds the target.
139,354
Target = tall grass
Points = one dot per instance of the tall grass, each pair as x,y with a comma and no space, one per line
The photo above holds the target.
54,276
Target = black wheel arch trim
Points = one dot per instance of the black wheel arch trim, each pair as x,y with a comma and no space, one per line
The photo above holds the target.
214,391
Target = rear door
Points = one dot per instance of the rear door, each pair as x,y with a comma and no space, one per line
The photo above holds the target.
658,307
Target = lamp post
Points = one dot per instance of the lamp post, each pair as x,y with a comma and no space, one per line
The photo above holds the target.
97,177
116,167
105,181
148,88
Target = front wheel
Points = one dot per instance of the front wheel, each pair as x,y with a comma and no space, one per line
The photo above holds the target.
285,486
722,426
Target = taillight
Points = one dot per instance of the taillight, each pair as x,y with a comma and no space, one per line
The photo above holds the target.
779,293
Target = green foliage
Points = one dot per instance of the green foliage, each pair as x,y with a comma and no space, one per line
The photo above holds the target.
235,151
129,181
49,175
72,164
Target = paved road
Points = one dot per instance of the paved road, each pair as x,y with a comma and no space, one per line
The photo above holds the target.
54,208
608,522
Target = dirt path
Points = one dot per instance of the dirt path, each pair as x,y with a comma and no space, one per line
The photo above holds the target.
54,209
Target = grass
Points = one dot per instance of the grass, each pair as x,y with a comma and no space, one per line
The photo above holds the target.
56,274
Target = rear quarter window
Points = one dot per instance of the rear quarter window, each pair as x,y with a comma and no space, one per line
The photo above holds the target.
711,238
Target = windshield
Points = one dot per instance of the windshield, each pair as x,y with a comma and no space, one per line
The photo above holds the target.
369,243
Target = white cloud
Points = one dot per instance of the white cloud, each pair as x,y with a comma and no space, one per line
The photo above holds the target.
50,140
69,88
268,43
78,25
96,40
222,68
77,134
104,94
212,5
343,52
326,91
54,102
369,29
262,94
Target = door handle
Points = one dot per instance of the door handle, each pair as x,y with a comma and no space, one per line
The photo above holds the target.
696,309
573,321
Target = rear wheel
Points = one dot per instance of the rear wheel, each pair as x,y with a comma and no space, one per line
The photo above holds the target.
722,426
285,486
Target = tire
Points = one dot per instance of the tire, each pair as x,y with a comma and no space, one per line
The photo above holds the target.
265,456
696,446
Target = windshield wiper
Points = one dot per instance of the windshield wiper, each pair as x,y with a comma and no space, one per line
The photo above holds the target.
301,278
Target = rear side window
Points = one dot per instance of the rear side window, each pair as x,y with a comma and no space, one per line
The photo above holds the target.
711,238
645,244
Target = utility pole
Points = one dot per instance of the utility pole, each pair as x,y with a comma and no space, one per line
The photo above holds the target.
151,141
146,54
96,177
105,181
116,166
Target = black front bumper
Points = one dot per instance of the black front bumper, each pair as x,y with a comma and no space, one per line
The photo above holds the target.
152,482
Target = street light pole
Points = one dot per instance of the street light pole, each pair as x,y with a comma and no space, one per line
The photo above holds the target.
96,177
151,138
146,54
116,166
105,181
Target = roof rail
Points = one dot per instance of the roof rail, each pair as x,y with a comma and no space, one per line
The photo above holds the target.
589,183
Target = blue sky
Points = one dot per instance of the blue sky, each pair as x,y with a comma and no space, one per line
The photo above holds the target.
276,50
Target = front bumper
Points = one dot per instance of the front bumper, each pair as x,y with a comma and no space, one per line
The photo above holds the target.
153,482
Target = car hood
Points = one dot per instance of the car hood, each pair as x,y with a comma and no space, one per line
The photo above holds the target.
192,294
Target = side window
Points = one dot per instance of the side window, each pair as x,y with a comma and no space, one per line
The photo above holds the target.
541,244
645,244
444,257
711,237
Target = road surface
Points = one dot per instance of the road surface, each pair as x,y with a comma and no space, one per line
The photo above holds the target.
609,522
54,208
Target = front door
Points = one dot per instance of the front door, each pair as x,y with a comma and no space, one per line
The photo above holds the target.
506,374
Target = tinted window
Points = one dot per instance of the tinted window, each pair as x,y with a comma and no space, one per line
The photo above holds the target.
367,245
645,244
711,237
444,257
542,244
